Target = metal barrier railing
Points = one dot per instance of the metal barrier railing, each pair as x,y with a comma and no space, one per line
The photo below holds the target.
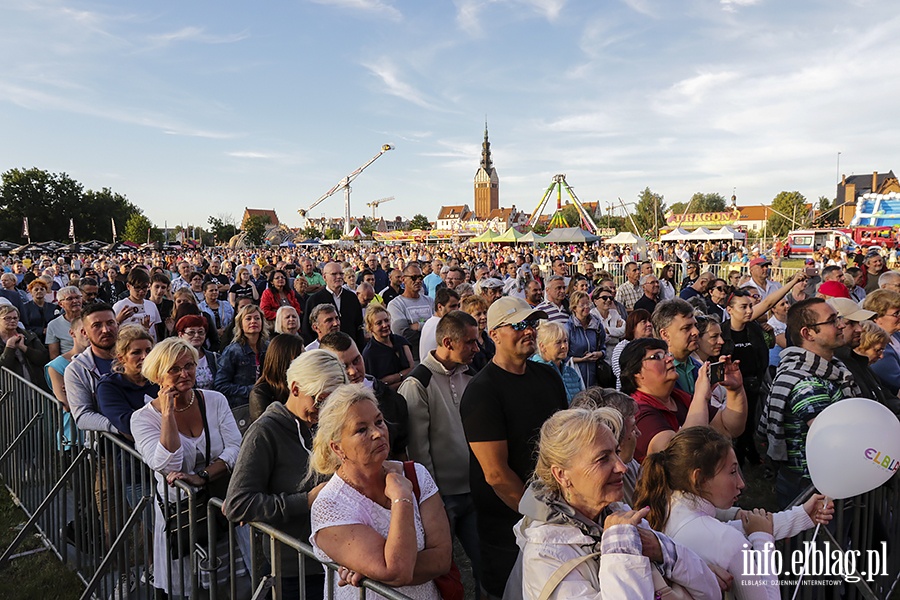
95,506
721,270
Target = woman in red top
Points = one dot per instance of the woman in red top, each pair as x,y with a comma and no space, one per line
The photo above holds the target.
278,294
649,376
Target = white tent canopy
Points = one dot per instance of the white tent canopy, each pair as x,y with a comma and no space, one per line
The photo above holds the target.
626,237
701,233
728,233
676,235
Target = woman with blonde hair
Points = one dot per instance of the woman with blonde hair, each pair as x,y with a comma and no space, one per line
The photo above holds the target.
184,434
388,356
886,304
123,391
370,518
269,483
287,320
477,307
697,474
578,535
872,341
241,362
587,339
553,350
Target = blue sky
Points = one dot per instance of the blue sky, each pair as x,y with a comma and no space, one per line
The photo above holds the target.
200,108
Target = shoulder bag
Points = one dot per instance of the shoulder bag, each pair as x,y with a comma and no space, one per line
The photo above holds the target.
662,589
178,522
450,584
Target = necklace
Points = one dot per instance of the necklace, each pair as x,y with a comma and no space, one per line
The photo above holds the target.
190,404
357,488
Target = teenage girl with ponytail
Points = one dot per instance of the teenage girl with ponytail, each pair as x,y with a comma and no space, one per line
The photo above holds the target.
695,475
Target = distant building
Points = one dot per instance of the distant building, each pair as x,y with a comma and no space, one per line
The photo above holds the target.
487,183
851,188
397,224
256,212
450,217
756,218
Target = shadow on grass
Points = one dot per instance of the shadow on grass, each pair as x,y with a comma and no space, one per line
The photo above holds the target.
37,576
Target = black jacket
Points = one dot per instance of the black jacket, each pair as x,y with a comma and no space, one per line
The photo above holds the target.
869,384
352,322
760,349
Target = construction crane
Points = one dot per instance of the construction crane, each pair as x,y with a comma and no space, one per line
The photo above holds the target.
376,203
345,185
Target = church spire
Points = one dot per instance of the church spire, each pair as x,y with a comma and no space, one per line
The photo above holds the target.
486,162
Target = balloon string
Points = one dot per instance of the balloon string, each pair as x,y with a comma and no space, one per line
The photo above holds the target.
814,536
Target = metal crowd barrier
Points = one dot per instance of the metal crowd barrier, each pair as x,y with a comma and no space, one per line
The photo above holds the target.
865,531
93,503
617,270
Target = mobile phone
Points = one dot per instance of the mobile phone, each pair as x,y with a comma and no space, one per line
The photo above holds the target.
717,372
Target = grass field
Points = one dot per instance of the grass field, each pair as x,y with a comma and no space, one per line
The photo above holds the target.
37,576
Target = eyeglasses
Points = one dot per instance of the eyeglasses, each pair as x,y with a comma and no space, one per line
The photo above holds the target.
11,319
660,356
415,277
522,325
721,288
834,321
606,298
194,332
187,368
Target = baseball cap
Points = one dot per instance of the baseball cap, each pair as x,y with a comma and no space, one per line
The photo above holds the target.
834,288
760,261
509,311
850,310
810,261
490,283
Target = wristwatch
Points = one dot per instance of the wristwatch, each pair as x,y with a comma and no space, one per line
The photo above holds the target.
204,474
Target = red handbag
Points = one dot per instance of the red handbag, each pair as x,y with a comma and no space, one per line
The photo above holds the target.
449,584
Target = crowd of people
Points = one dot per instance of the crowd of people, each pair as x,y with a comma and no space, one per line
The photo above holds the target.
380,402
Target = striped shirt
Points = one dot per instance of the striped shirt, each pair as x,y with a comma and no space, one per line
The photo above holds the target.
555,313
806,401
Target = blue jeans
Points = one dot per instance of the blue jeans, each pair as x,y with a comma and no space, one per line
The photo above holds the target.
463,524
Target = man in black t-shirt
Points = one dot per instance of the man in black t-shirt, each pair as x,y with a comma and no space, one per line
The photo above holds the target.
502,411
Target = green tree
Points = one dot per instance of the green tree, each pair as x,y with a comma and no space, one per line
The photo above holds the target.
136,229
333,234
310,232
419,222
222,227
49,200
539,229
703,203
648,213
789,212
827,213
255,228
570,214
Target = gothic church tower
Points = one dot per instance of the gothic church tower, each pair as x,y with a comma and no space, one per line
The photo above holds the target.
487,184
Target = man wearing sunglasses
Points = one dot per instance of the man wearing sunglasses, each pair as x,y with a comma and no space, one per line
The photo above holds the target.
759,277
411,309
502,411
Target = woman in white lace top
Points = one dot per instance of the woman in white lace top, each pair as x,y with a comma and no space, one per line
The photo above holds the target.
367,518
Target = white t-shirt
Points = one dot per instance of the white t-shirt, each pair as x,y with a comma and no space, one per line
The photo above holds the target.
148,308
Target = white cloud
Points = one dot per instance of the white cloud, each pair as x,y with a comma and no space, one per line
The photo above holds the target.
394,85
369,6
34,99
196,35
468,12
733,5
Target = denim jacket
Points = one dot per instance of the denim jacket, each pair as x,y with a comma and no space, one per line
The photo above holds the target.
238,370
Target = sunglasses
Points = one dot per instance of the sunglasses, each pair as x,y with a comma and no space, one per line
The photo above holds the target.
721,288
523,325
606,298
414,277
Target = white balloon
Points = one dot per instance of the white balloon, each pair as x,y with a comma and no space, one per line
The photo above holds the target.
853,446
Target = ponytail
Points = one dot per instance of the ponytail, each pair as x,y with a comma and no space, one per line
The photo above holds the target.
653,489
